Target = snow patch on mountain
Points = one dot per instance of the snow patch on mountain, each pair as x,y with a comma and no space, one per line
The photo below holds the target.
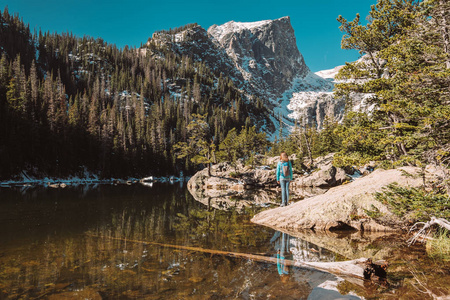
300,101
360,101
220,32
330,73
294,103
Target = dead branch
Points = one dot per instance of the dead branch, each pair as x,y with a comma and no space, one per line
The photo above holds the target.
425,231
422,287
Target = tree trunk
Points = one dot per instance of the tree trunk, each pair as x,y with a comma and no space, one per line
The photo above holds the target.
402,148
308,147
445,24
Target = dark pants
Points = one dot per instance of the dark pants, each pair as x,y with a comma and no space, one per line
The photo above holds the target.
284,191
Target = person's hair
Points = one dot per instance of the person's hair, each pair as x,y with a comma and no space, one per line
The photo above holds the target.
284,156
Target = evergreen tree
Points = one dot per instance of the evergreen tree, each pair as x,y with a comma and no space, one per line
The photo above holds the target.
200,146
405,70
230,148
252,143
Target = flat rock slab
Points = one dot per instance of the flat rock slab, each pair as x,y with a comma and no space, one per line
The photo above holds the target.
343,207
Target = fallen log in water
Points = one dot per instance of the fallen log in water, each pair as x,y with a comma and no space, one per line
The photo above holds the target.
362,268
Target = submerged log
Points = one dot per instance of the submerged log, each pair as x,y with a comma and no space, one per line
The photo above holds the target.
362,268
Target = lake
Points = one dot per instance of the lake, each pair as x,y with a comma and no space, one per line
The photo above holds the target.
157,242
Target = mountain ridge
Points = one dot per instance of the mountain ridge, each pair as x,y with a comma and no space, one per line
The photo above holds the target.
261,58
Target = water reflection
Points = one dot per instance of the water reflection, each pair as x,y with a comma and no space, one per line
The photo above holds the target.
117,242
100,240
347,245
231,200
281,243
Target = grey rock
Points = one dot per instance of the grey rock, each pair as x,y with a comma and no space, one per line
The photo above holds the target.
345,206
324,176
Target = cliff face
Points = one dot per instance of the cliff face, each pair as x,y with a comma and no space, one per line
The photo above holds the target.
313,107
264,52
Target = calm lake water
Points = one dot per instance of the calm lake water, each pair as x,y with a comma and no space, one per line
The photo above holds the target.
123,242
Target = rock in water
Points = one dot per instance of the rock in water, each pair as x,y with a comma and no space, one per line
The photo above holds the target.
343,207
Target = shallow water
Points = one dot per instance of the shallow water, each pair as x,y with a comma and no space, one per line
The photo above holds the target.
117,242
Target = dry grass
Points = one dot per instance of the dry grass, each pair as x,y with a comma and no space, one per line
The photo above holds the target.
439,246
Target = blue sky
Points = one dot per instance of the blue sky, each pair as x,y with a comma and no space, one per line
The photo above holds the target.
132,22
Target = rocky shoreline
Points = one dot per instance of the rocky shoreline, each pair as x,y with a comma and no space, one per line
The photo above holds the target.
228,180
88,178
343,205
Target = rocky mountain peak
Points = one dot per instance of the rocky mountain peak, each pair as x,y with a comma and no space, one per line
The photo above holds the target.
220,32
265,53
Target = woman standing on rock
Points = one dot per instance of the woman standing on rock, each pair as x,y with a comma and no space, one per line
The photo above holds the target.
284,177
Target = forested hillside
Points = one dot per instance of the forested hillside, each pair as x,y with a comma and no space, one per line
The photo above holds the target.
72,103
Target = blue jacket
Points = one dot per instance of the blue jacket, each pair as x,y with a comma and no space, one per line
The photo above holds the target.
280,171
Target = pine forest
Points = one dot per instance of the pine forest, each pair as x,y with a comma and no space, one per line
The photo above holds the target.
81,103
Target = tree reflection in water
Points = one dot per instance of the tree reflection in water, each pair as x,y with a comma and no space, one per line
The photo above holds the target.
97,256
113,266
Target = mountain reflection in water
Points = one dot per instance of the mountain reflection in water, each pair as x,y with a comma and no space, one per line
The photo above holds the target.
108,242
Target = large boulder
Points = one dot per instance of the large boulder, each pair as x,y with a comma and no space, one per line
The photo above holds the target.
325,175
227,180
344,207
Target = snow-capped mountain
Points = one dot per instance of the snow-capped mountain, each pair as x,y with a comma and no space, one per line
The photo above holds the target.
264,52
263,61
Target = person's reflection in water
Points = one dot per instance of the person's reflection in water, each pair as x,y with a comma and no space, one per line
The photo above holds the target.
281,242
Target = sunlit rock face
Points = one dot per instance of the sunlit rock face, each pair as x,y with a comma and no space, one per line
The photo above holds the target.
264,52
346,206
